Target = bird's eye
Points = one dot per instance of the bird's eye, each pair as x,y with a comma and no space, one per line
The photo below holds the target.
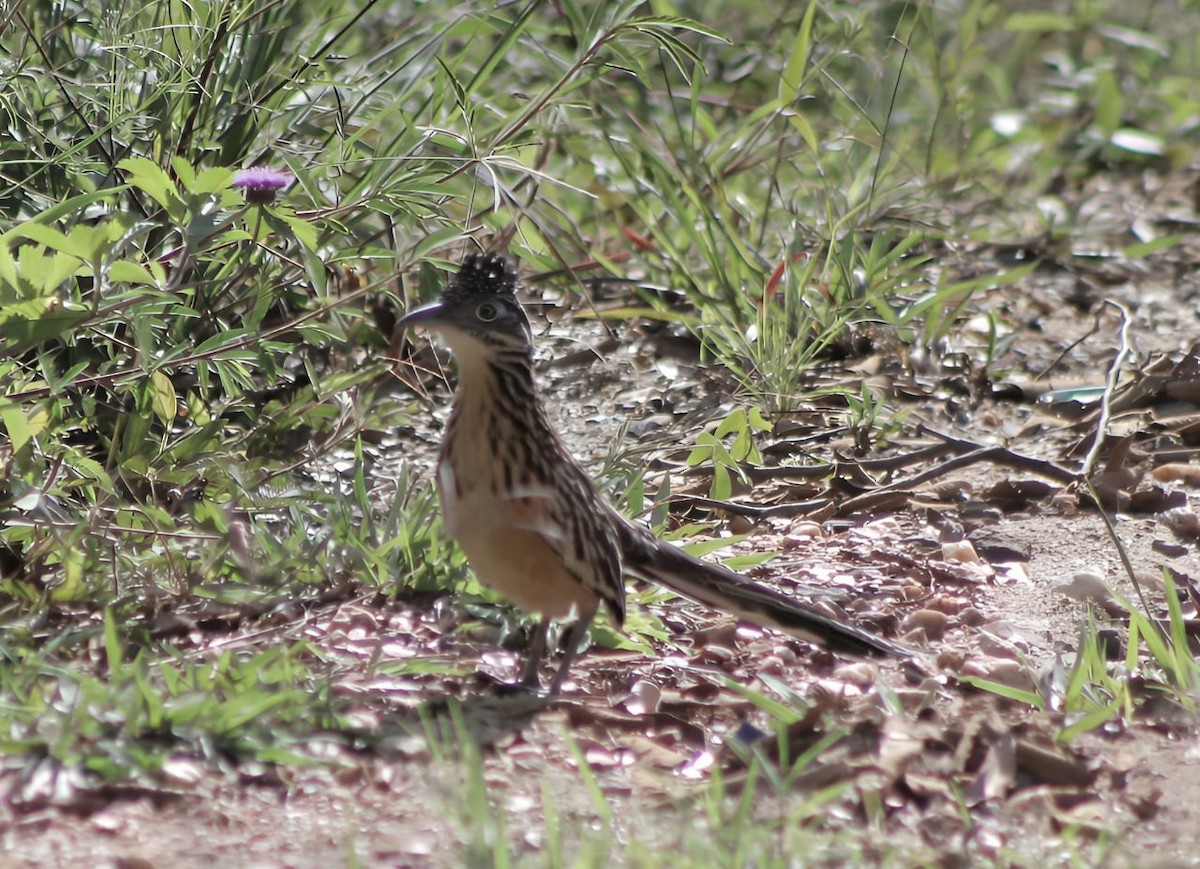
487,312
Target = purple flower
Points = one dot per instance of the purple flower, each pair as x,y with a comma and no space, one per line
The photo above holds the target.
261,184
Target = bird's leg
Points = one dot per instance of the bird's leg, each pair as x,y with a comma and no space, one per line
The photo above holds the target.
537,648
574,638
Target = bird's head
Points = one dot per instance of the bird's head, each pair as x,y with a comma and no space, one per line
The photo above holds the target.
478,314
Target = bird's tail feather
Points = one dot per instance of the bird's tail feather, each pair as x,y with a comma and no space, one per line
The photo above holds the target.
729,592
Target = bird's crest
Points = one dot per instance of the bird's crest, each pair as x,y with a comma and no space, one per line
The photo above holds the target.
482,274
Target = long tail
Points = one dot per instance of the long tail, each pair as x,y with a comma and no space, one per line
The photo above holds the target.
729,592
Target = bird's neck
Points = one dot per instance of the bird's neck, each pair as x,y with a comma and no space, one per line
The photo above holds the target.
496,402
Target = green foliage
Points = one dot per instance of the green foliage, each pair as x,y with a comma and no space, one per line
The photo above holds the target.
868,418
133,715
729,823
812,151
1158,668
740,427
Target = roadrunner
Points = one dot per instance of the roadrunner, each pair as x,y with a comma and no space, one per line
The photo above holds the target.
532,523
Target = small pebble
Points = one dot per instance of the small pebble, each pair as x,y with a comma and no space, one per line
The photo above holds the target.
971,617
961,551
1177,472
932,622
1183,521
1169,549
949,605
1005,672
741,525
716,655
643,698
860,674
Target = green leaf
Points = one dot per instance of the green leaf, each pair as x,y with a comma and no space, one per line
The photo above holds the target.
735,420
151,178
437,239
73,586
137,427
776,709
1145,248
128,272
48,236
92,472
9,276
1110,105
701,548
1040,22
304,232
185,172
1090,721
805,129
76,203
679,23
20,432
500,49
59,382
999,688
214,180
163,400
722,485
792,77
748,560
31,323
703,451
53,272
237,713
1183,665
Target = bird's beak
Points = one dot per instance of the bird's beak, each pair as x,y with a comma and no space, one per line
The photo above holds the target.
422,316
